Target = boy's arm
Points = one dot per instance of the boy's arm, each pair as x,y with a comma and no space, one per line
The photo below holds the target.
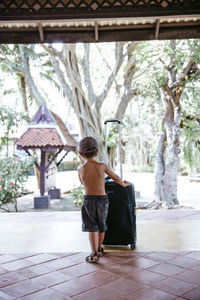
79,176
115,177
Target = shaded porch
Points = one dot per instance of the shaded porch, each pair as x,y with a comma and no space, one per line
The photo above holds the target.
42,257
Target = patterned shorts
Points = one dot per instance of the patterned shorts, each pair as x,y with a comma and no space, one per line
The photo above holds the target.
94,213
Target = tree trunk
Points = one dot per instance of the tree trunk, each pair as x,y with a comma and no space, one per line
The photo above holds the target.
88,116
29,79
159,168
172,125
23,93
87,107
167,155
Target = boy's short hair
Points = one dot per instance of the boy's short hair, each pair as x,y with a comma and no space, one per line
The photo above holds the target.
88,147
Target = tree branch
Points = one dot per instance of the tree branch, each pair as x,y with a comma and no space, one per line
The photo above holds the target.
61,77
29,79
186,71
85,63
52,51
119,60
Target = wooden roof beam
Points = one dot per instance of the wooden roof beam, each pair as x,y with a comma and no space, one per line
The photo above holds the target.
41,32
157,29
96,32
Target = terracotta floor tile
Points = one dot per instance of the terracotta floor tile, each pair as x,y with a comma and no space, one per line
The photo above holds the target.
194,255
6,258
178,253
41,258
151,293
46,294
190,276
33,271
146,277
60,254
100,277
123,286
174,286
192,295
22,288
161,256
166,269
107,264
143,263
4,296
195,268
51,279
74,287
77,258
25,255
184,262
122,270
3,271
99,294
142,253
79,270
59,263
118,257
10,278
117,276
17,264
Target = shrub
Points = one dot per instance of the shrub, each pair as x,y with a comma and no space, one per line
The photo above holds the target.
13,175
78,194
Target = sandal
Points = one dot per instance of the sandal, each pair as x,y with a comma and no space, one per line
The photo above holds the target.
100,252
92,258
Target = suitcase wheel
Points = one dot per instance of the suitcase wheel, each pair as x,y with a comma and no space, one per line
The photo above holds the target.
132,246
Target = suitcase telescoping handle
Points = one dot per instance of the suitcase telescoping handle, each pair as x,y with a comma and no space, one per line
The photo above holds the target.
120,144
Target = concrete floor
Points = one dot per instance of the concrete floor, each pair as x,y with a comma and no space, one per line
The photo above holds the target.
30,232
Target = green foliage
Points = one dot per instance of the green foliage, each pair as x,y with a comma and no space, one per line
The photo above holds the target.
191,145
153,60
78,194
9,121
112,137
13,175
143,124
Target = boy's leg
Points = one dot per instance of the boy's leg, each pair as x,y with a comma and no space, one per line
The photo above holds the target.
100,239
93,238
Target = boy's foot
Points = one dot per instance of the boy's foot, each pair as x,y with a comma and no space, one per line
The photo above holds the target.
92,258
100,252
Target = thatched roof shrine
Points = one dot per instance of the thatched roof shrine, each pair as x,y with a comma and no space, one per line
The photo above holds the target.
46,131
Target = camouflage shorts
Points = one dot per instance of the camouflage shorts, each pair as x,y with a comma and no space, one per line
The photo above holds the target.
94,213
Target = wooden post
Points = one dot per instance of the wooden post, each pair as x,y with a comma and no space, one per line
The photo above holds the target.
42,173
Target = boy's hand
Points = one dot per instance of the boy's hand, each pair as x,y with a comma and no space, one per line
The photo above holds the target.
126,183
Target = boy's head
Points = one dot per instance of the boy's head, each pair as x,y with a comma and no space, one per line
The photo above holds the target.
88,147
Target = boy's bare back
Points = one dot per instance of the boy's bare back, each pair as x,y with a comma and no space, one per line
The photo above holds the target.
92,176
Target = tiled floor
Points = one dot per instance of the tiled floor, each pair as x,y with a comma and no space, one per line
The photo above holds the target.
118,275
165,265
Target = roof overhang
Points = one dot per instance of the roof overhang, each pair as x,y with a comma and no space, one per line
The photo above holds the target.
72,21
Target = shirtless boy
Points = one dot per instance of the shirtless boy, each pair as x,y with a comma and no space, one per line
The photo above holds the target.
95,205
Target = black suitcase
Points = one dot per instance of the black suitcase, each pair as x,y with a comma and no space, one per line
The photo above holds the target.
121,219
